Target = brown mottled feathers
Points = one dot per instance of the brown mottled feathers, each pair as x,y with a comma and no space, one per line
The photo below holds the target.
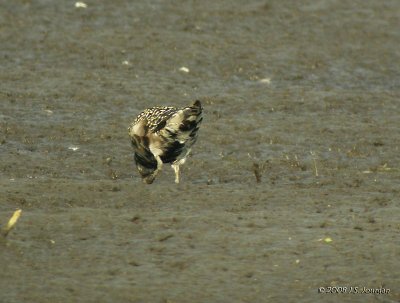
156,116
164,135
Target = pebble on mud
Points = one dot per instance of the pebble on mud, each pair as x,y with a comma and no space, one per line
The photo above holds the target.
184,69
265,81
135,219
80,5
73,148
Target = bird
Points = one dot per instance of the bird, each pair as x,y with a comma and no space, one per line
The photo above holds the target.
164,134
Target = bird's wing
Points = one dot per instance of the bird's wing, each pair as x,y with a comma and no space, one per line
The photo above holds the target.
183,125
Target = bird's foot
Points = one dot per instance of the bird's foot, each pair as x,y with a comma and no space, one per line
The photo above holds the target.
175,167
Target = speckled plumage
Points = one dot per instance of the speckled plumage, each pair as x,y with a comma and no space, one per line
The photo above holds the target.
155,115
164,135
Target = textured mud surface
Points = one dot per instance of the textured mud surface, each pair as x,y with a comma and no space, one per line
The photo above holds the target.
302,96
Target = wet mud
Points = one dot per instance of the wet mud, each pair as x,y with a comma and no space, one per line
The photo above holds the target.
293,184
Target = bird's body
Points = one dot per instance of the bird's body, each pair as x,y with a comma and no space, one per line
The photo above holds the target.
164,135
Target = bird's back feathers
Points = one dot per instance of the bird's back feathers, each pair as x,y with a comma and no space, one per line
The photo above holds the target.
164,132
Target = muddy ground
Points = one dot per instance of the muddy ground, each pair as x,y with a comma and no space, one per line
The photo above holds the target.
305,94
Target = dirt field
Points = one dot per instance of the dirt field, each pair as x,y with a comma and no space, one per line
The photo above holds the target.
303,95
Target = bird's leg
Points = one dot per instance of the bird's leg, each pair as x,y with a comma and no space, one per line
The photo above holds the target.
159,165
176,170
176,167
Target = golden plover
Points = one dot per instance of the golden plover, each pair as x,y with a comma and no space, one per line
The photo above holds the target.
164,135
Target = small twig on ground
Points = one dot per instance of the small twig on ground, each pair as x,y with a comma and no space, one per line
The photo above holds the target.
315,167
11,223
257,171
315,163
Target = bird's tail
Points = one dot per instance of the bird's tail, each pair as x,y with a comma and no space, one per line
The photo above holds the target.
196,107
186,120
192,116
185,123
